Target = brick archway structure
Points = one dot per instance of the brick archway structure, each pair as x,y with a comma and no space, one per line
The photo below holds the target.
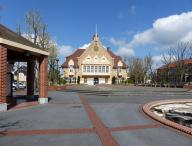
15,48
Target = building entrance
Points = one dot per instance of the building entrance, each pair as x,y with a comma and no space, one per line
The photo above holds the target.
96,80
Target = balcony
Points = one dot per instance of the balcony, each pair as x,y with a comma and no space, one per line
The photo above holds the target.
96,73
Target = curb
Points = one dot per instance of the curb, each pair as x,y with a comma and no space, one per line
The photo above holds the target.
147,110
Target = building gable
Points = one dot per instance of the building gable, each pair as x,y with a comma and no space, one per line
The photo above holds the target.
96,54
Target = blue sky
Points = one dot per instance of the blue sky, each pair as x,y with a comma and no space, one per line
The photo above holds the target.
129,27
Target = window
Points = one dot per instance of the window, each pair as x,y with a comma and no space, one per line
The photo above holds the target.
88,68
99,68
84,68
107,69
92,68
103,68
96,68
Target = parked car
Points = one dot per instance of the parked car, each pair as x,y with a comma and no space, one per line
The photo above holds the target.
14,86
22,85
18,86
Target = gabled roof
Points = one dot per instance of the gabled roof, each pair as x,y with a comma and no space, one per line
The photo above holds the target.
9,37
79,52
74,57
116,59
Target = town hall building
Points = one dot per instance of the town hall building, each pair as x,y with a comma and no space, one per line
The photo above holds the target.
94,65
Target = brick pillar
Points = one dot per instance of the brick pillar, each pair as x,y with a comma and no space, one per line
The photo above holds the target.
30,78
43,79
3,76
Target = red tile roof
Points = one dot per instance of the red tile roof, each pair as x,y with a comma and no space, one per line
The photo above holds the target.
74,57
116,59
172,65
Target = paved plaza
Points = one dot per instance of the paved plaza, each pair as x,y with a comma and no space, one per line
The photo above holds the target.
93,116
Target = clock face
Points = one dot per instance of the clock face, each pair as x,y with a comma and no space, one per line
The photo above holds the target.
96,48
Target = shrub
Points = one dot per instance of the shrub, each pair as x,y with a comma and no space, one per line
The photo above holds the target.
130,81
62,81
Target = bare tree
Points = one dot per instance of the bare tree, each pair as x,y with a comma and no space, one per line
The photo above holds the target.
148,67
175,61
37,32
167,59
181,53
18,29
136,69
33,21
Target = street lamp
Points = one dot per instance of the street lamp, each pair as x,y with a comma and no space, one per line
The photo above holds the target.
57,60
59,75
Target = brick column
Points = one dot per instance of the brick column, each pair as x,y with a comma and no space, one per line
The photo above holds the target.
43,80
3,76
30,78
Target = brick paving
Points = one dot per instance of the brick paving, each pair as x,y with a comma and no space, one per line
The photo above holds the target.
111,122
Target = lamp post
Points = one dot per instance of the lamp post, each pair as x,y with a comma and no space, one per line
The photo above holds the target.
57,60
59,75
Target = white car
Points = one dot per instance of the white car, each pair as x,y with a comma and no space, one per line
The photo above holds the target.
18,86
22,86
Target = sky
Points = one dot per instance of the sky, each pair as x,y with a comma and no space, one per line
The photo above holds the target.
128,27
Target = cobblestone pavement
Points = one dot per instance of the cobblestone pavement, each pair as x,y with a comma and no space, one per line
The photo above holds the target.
92,116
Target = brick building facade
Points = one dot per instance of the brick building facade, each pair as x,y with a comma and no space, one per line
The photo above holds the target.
172,73
14,48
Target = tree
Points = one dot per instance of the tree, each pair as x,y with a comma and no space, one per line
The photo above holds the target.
52,62
136,69
37,32
177,55
148,67
181,52
33,21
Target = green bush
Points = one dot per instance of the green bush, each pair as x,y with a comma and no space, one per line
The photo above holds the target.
130,81
113,80
62,81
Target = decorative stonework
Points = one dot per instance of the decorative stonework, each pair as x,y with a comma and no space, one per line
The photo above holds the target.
147,109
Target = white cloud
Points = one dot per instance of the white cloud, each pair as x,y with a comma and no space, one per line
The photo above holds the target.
65,50
85,46
124,49
157,60
166,31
